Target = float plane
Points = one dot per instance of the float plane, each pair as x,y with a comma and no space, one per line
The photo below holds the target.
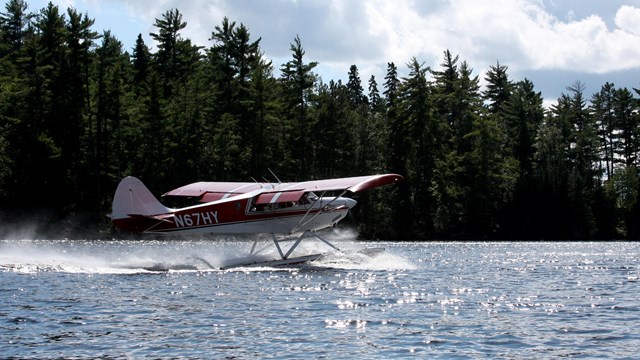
288,212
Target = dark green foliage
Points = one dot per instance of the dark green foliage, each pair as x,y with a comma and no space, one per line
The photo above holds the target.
78,113
520,117
297,82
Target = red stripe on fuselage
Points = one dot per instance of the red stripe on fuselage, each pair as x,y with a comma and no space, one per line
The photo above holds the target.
232,212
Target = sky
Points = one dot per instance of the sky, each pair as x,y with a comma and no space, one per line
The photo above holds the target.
553,43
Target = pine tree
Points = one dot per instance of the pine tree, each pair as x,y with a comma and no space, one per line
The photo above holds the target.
375,101
522,115
263,136
332,108
449,213
298,81
47,60
566,157
109,135
141,66
356,128
602,110
499,88
585,156
76,100
235,59
419,124
167,37
402,206
13,28
552,172
13,33
628,139
624,185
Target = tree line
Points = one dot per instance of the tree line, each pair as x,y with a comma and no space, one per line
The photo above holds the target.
78,112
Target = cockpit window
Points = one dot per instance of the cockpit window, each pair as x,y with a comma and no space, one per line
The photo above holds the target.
312,197
275,201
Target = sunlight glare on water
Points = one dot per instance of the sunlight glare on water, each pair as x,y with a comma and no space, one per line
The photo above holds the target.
166,299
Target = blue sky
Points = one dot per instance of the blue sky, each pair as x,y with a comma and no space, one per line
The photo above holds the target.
554,43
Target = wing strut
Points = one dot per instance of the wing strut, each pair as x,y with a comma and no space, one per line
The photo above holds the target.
304,219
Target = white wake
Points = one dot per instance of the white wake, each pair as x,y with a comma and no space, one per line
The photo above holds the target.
141,256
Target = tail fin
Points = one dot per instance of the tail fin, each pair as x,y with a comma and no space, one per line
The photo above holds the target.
133,198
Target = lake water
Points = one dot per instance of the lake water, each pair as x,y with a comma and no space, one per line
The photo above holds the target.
87,299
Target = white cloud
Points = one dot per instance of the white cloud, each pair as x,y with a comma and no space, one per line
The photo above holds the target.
628,19
519,32
526,35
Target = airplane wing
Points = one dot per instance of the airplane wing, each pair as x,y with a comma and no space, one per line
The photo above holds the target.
352,184
212,191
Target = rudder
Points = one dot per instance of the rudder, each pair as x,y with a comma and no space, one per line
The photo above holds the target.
133,198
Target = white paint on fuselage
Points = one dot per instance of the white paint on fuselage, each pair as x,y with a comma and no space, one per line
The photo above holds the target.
284,223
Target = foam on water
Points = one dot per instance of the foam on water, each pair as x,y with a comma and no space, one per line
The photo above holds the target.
354,260
114,256
130,257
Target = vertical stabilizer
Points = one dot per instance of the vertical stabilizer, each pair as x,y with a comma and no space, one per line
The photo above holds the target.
133,198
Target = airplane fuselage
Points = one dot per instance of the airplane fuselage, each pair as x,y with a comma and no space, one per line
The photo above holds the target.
240,215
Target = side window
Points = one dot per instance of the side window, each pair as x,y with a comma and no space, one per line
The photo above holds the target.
256,208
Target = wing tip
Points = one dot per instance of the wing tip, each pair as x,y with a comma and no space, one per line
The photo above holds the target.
376,181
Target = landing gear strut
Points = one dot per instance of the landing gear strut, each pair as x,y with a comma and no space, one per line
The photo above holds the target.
285,252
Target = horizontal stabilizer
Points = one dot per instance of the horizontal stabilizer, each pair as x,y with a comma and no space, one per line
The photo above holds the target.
163,217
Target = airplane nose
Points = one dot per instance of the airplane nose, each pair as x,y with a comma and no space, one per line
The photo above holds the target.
350,203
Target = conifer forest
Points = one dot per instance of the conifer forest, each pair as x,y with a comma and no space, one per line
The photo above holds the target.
78,112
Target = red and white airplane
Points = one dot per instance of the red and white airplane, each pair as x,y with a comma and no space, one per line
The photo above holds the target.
290,212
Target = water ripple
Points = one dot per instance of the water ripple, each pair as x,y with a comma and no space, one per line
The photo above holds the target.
89,299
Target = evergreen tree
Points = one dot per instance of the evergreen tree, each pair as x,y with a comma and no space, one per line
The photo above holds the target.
522,115
178,66
585,157
354,87
356,129
375,101
481,180
552,171
624,185
402,208
47,59
419,124
263,136
76,103
221,55
332,114
109,144
167,37
247,57
499,88
602,110
13,28
235,59
392,85
566,157
628,137
13,31
447,192
374,219
492,176
298,81
141,66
